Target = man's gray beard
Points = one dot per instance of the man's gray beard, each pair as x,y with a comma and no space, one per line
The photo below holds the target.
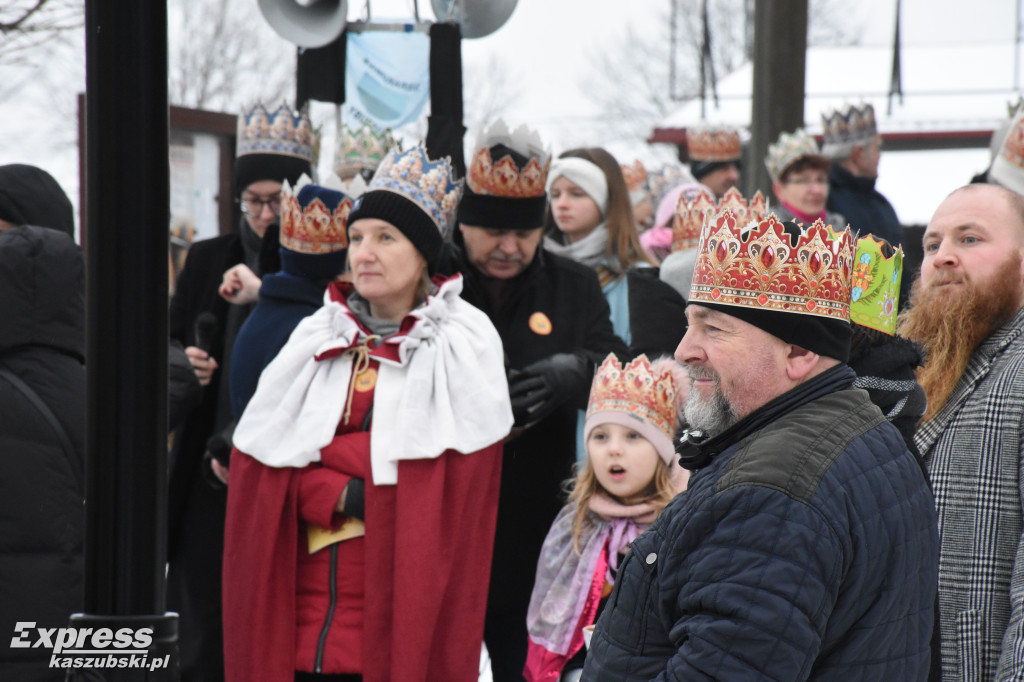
713,415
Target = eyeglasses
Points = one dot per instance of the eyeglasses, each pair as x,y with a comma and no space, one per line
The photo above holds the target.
253,206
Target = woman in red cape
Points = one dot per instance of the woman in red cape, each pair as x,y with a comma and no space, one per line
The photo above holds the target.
364,482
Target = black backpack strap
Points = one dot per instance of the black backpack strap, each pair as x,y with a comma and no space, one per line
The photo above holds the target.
49,416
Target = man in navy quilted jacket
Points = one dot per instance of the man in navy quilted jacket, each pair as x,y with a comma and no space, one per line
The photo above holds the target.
805,547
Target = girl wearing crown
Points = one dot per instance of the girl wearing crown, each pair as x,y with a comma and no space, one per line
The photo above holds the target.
628,477
590,220
364,482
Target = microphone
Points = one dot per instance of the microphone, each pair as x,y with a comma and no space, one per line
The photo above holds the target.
205,331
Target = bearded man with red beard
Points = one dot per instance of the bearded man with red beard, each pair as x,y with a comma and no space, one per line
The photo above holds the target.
966,310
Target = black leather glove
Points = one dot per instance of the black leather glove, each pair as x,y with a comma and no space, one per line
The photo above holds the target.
541,387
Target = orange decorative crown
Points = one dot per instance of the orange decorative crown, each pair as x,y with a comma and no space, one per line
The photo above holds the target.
314,217
691,216
503,177
763,269
713,143
637,390
635,175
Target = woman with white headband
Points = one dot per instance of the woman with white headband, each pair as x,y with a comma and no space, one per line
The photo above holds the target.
590,220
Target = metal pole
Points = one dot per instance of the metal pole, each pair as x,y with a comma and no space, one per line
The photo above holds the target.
127,187
780,55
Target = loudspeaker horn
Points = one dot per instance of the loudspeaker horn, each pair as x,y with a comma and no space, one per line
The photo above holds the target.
476,18
312,23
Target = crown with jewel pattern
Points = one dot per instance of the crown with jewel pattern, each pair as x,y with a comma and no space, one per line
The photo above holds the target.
847,128
504,177
764,270
789,148
314,217
691,215
284,132
644,394
875,285
361,150
431,185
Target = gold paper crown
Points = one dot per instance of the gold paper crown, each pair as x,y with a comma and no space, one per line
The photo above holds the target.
713,143
788,149
504,177
875,288
691,215
764,270
637,390
847,128
314,217
283,131
430,184
361,149
635,175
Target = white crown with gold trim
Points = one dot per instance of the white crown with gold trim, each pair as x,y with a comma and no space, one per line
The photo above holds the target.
504,176
283,131
788,149
430,184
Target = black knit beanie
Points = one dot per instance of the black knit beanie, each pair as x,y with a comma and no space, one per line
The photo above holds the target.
30,196
250,168
501,213
701,168
407,216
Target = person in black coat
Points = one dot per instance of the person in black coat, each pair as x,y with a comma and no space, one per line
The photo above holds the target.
273,146
42,414
555,327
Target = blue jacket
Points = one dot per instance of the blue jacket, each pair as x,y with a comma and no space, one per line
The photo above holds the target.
285,299
864,207
804,549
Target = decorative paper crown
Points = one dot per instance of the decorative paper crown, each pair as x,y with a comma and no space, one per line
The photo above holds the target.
1008,165
875,288
284,132
430,184
664,179
788,149
635,175
763,270
361,149
713,143
313,217
637,390
504,177
691,215
846,128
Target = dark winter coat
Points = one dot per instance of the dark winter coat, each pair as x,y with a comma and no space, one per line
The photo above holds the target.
42,513
865,209
657,314
805,549
537,462
285,300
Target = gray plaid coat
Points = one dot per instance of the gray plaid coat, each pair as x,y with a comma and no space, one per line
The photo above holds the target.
972,449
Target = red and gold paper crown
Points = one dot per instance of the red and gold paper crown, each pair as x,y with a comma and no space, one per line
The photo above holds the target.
503,177
691,215
637,390
314,217
764,270
713,143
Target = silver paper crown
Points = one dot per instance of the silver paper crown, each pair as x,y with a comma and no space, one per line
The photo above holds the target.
282,131
847,128
789,148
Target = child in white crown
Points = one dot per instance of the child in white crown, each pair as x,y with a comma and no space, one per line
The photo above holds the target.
629,475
